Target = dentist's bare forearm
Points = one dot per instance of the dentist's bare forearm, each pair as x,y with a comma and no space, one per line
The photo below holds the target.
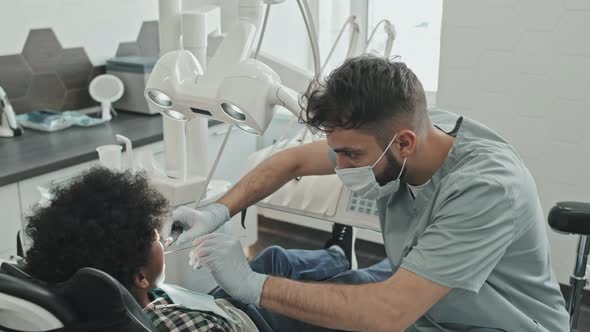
334,306
391,305
273,173
262,181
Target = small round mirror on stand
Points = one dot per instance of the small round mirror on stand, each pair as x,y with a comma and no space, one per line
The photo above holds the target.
106,89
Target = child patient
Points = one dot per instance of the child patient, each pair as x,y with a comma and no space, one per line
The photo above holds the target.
109,221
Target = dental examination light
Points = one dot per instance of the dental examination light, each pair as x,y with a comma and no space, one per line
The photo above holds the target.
232,86
235,88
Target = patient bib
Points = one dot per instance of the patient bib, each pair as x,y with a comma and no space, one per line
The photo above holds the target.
195,300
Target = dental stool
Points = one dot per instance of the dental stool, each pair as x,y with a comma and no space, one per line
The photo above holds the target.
90,300
574,218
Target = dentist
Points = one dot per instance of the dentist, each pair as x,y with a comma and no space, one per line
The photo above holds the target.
460,215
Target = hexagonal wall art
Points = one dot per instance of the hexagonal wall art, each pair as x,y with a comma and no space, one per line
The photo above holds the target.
96,71
47,91
73,68
47,76
149,39
21,105
42,50
147,42
75,97
15,75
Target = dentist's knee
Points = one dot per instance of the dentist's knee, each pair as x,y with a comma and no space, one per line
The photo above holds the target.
272,260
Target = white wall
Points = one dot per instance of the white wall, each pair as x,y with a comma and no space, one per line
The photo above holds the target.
333,13
523,68
418,24
98,26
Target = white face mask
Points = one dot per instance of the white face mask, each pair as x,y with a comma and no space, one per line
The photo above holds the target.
362,181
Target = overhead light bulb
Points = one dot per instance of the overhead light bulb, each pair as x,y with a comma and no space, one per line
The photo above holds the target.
159,98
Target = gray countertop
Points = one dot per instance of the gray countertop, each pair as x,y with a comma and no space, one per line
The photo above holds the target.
36,152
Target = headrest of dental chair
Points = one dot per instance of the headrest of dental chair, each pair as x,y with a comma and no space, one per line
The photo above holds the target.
96,296
38,295
17,270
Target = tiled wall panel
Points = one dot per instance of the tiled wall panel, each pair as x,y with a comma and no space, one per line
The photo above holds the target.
523,68
45,75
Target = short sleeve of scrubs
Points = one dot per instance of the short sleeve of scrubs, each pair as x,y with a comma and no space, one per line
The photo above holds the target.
472,227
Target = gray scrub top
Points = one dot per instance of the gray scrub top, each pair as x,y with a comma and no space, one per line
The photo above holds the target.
477,228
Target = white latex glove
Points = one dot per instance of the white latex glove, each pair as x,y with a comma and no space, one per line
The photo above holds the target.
224,257
195,222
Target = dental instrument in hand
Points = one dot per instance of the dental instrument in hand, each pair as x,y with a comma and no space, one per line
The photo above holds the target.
174,233
191,246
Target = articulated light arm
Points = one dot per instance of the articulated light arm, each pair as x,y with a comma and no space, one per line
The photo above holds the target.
289,99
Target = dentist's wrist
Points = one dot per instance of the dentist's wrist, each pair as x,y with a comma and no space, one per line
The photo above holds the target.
219,211
252,288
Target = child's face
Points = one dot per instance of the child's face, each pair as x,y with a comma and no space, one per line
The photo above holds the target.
154,269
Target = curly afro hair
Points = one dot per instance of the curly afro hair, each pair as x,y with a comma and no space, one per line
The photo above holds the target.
101,219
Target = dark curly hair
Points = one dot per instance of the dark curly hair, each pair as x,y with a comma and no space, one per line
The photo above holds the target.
102,219
362,93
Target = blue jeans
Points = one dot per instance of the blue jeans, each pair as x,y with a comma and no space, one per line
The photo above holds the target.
327,265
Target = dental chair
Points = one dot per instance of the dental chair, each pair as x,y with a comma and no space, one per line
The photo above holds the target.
574,218
90,300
